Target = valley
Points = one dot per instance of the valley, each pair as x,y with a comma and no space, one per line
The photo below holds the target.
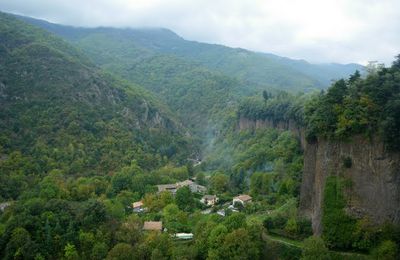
138,144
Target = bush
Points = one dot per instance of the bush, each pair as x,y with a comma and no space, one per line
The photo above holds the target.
275,222
338,227
315,249
291,227
387,250
304,227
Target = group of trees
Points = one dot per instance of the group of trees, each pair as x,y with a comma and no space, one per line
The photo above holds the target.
279,107
359,105
262,162
368,106
77,147
90,217
342,231
231,238
66,114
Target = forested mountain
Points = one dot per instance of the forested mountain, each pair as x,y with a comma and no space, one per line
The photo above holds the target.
58,111
256,70
350,135
102,130
324,73
194,79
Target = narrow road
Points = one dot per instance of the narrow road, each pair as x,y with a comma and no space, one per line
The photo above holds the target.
268,237
298,244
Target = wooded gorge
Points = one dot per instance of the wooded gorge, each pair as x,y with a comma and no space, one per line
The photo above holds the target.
108,133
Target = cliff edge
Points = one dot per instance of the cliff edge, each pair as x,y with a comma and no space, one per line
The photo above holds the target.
373,172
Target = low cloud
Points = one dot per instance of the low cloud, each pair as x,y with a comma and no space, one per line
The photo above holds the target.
319,31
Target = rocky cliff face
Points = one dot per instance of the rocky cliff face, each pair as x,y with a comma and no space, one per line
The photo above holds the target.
290,125
374,174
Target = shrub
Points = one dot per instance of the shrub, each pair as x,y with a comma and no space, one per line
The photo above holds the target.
304,227
291,227
387,250
338,227
315,249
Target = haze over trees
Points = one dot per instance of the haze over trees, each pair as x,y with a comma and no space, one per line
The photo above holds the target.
93,120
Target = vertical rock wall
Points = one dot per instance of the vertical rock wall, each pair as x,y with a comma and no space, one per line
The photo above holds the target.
374,174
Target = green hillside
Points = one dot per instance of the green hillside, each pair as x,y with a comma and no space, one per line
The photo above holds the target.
194,79
57,111
256,70
102,130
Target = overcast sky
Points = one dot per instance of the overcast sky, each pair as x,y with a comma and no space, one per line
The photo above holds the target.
315,30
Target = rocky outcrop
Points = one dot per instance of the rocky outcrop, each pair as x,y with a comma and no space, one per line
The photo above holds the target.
372,171
374,174
289,125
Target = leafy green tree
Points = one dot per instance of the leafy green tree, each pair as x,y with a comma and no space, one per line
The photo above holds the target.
99,251
86,242
235,221
255,230
201,178
354,77
265,95
94,213
184,252
315,249
219,183
70,252
155,246
48,237
396,62
121,181
215,240
114,209
291,227
175,220
130,231
20,245
184,198
121,251
165,198
237,245
387,250
202,232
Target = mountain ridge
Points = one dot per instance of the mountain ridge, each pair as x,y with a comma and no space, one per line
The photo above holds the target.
258,68
54,100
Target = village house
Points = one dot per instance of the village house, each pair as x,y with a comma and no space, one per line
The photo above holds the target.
243,199
209,200
184,183
152,226
137,206
197,188
167,187
194,187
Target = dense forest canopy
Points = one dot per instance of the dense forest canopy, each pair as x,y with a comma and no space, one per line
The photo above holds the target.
358,105
275,106
104,120
60,112
196,80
